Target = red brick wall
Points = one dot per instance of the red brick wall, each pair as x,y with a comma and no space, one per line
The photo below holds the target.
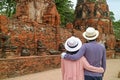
118,43
64,34
26,65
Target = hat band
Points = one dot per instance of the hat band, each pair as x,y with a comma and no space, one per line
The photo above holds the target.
72,46
90,36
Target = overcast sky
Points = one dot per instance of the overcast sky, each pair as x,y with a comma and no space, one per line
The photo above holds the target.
114,6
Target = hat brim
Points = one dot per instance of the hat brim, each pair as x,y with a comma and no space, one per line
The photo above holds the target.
73,49
92,38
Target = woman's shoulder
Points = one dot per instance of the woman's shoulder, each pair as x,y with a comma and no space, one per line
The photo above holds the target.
63,53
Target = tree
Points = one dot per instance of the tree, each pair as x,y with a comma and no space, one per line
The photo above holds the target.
116,26
65,8
112,16
7,7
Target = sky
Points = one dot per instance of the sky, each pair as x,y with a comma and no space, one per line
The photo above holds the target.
113,6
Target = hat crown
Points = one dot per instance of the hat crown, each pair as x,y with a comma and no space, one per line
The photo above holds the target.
90,32
72,42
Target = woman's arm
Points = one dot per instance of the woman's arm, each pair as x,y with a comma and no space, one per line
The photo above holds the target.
89,67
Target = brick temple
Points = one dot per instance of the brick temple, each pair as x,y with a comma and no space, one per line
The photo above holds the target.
32,40
95,13
35,28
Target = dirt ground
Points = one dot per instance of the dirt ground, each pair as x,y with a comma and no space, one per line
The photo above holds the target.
113,68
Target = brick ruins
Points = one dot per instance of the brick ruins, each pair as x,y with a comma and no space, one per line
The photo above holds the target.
35,31
35,28
95,13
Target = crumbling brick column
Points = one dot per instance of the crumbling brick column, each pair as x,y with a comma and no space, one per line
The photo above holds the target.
95,13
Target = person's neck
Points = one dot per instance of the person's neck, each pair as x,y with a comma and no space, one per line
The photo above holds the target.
91,40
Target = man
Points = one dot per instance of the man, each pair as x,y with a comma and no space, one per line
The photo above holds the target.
94,52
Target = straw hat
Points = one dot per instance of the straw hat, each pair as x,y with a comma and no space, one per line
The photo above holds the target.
73,44
90,33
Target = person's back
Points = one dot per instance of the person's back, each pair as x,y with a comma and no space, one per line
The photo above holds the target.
72,70
94,53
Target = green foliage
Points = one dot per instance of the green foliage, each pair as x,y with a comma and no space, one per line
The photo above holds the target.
92,0
65,8
116,26
112,16
7,7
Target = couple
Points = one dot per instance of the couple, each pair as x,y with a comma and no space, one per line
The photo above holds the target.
90,67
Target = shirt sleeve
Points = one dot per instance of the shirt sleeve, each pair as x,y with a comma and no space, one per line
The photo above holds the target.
104,60
89,67
76,56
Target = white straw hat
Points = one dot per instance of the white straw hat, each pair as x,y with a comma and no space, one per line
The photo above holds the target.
73,44
90,33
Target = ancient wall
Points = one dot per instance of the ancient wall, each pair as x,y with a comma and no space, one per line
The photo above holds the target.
117,43
4,34
117,49
26,65
41,11
36,28
33,29
46,34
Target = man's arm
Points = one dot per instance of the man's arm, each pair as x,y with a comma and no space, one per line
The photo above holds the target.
89,67
76,56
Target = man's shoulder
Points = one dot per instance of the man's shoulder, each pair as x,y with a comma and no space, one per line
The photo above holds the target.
85,44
